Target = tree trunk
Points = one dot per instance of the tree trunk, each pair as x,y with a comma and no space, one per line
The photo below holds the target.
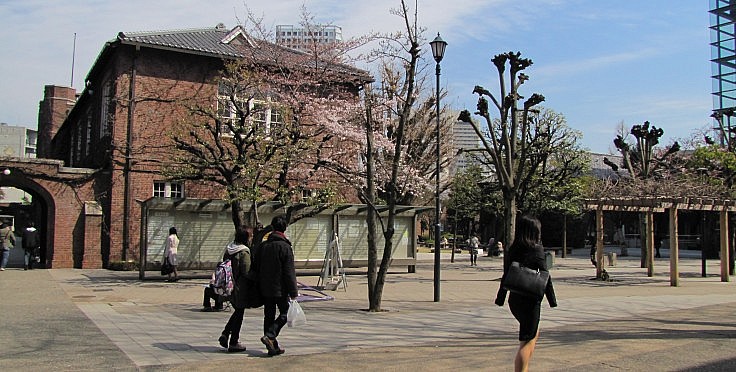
238,214
374,295
385,259
509,215
564,235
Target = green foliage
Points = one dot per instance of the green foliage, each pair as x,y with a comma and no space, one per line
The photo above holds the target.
715,163
468,195
559,184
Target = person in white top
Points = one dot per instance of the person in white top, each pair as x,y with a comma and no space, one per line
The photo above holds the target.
172,244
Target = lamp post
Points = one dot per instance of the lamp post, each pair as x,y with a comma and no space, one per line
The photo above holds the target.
438,51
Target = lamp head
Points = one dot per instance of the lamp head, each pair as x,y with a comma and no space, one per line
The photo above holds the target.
438,48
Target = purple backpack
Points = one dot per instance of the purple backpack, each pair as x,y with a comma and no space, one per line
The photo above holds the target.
222,278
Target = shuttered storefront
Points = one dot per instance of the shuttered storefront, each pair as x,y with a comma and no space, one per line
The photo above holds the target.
205,228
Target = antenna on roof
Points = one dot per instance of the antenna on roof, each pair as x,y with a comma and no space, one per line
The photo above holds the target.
74,51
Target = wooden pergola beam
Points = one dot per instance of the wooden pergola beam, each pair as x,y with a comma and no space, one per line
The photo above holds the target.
649,206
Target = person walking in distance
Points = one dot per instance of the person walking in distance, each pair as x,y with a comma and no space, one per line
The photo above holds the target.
172,246
474,245
527,250
31,244
273,262
7,241
240,260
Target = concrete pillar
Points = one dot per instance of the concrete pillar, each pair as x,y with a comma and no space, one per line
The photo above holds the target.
92,258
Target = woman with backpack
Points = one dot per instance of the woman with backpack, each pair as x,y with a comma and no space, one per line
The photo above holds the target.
239,255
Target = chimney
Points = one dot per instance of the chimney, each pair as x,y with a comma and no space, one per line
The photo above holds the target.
52,111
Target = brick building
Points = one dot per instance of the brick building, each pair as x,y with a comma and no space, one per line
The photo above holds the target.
121,124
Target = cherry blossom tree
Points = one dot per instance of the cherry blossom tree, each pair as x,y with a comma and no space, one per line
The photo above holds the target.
393,135
278,112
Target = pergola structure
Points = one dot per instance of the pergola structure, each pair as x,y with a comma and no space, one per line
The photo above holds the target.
651,205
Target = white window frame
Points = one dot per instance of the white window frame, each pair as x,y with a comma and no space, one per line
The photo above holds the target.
267,116
163,189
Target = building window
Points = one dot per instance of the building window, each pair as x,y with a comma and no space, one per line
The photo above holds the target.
168,190
263,112
105,117
88,134
78,143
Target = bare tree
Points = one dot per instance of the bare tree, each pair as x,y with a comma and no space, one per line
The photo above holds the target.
642,161
514,143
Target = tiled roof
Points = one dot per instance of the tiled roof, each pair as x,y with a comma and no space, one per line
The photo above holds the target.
203,40
218,41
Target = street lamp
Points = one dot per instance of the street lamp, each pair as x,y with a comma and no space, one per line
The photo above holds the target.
438,51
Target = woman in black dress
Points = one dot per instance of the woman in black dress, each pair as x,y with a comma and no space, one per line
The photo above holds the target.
528,251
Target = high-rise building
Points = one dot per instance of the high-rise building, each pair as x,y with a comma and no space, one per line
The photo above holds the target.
463,138
16,142
300,38
723,58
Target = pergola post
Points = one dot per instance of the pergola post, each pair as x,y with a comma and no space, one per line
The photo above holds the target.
649,206
724,246
599,243
650,242
674,248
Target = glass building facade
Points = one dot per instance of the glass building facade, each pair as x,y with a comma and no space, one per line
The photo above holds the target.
723,53
723,58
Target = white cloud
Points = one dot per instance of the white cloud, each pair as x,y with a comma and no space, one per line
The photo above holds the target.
576,66
37,37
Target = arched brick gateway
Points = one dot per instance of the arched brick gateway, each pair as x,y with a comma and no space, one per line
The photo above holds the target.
70,219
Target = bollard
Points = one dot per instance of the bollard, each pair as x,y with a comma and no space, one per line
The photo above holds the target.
549,258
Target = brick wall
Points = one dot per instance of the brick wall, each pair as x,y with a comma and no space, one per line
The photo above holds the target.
163,82
52,111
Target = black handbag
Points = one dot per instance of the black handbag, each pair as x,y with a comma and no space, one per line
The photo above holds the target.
525,281
166,267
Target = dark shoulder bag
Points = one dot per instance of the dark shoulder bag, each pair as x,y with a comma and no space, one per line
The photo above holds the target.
525,281
251,292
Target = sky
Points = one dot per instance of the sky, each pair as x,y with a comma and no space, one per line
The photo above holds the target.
598,62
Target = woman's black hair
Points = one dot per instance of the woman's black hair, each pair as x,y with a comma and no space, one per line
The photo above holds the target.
172,230
528,232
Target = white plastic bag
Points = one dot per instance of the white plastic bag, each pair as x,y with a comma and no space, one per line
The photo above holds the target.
295,316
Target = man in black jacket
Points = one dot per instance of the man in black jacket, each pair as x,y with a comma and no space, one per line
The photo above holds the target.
31,245
274,263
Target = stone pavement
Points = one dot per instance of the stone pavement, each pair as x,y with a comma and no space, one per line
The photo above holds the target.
92,320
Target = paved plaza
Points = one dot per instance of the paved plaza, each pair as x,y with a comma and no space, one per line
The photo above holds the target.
99,320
